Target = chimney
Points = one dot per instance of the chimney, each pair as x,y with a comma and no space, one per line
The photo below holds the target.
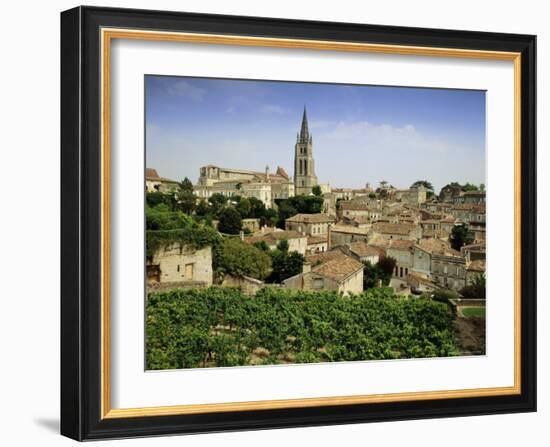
306,267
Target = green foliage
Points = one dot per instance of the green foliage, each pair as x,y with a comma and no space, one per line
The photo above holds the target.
224,327
386,265
381,271
476,288
165,227
372,195
217,202
284,263
474,312
234,257
425,183
185,185
371,275
156,198
460,236
444,295
230,221
316,190
296,205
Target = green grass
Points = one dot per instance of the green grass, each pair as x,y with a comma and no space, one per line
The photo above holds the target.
473,311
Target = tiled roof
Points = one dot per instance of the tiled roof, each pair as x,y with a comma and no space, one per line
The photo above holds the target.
361,249
390,228
349,229
339,268
274,237
436,246
476,266
316,240
151,174
311,218
354,206
400,244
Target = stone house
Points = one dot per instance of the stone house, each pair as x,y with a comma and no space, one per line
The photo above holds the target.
449,270
337,272
346,234
317,244
296,241
310,224
471,197
401,251
396,231
473,252
474,268
424,251
351,209
362,252
154,182
431,228
181,264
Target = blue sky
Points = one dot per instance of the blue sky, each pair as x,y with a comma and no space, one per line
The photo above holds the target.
360,133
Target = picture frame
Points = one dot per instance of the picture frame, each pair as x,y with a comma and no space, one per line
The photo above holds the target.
87,34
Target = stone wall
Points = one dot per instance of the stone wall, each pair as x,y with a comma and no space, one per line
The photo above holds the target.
183,264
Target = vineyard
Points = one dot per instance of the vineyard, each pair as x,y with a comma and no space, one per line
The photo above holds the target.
223,327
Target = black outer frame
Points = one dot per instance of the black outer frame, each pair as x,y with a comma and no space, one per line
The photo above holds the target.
81,206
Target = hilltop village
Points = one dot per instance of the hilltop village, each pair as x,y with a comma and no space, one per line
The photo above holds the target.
256,229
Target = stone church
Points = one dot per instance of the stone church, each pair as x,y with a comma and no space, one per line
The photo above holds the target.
304,165
265,186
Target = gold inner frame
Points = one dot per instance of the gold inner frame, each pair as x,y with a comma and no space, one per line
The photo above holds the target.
107,35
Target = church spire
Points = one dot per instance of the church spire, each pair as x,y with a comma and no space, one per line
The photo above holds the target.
304,131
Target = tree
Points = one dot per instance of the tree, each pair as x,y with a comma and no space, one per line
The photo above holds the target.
316,190
372,195
185,185
230,221
370,275
156,198
234,257
217,201
426,184
460,236
244,207
298,204
386,266
476,288
284,263
282,245
257,208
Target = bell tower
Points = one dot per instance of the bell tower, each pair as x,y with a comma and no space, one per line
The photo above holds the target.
304,166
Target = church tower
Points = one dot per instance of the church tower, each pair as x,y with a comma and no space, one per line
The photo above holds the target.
304,166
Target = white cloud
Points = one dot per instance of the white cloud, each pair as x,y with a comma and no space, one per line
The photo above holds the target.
273,108
185,89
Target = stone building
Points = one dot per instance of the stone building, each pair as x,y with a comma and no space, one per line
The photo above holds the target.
331,271
401,251
449,270
304,165
296,241
181,264
154,182
386,230
473,269
264,186
345,234
310,224
362,252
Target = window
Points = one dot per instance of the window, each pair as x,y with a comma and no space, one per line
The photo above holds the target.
318,283
189,271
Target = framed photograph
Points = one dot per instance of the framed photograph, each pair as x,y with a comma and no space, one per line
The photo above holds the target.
275,223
